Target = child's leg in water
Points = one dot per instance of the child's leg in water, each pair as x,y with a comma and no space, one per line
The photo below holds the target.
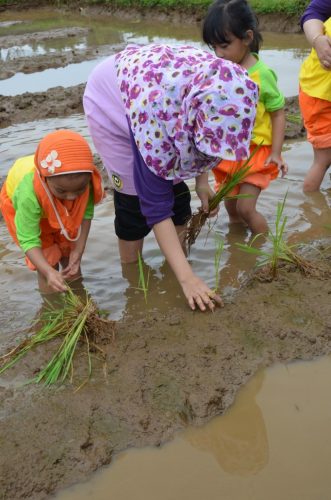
316,173
231,208
246,209
129,249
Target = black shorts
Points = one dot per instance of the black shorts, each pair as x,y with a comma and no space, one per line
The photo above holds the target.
130,223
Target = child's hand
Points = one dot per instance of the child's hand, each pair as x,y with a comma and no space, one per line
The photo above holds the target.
198,293
205,193
278,160
73,266
55,280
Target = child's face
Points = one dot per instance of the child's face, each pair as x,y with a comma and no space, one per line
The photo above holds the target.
235,51
68,186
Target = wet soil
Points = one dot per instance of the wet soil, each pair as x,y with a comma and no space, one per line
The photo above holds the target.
60,102
42,62
162,372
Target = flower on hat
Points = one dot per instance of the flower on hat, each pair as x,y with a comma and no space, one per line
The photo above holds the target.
51,162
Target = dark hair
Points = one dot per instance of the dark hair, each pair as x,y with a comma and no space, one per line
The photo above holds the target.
225,17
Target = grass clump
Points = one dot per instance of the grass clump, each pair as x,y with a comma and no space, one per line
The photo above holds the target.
281,252
290,7
72,323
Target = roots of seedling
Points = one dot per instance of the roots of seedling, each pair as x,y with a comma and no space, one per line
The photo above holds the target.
99,331
306,267
194,226
77,321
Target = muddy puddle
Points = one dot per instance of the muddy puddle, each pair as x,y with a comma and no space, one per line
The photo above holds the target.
168,368
283,53
270,444
309,218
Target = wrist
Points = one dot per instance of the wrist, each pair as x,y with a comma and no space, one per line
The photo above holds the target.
315,38
185,275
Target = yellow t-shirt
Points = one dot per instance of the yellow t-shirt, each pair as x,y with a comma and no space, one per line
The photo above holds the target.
21,167
315,80
270,100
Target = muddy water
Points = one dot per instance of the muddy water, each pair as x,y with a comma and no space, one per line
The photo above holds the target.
286,64
272,443
114,288
283,53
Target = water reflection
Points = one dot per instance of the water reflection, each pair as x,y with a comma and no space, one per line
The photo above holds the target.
283,52
274,442
238,441
27,50
162,293
286,64
70,75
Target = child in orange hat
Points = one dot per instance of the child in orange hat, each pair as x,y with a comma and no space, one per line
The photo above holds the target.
47,202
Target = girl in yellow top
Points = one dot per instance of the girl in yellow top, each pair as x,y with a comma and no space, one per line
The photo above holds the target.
315,90
230,28
47,202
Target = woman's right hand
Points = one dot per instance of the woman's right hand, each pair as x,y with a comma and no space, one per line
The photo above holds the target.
195,290
55,280
199,294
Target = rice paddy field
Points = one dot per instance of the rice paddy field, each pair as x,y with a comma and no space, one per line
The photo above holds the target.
169,403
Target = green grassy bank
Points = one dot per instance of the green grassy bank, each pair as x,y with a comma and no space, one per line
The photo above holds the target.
290,7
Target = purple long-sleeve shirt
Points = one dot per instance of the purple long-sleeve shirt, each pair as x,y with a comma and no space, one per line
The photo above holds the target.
155,194
317,9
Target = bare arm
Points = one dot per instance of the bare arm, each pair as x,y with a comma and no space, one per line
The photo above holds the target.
77,252
53,278
195,290
278,132
314,31
205,193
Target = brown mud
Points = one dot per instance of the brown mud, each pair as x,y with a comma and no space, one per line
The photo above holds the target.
61,102
166,372
162,371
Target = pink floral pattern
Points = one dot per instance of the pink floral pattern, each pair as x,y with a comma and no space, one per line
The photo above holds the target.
187,108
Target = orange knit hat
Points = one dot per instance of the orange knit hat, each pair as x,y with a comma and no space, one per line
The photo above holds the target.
63,152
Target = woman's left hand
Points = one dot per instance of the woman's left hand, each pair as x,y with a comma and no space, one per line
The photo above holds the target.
322,46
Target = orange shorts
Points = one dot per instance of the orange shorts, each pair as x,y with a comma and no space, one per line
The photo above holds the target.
258,175
316,115
53,244
54,247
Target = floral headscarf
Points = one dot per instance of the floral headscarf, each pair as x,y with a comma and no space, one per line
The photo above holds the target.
187,108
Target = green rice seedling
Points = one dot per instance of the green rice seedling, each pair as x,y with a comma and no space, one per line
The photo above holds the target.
294,118
198,219
72,323
281,251
143,282
217,262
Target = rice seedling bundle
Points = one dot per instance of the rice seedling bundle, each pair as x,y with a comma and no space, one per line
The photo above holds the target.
72,323
198,219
